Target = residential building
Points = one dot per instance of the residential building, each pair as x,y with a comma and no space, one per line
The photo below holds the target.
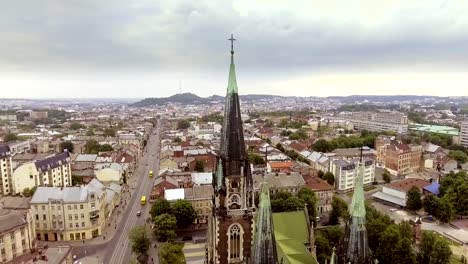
109,172
324,193
6,170
73,213
17,235
201,198
54,170
464,134
378,121
346,172
397,157
396,192
280,182
127,139
38,115
19,147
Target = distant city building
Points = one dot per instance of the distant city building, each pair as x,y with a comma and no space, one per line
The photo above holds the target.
73,213
378,121
346,172
17,235
397,157
464,134
38,115
51,171
6,170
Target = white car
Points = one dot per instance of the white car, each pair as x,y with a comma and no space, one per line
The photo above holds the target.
138,213
393,209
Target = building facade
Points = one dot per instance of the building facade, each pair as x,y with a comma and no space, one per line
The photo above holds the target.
464,134
6,171
17,235
72,213
346,172
51,171
379,121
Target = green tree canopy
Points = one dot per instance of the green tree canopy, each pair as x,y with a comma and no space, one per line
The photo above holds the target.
414,199
177,140
110,132
183,124
322,145
66,145
309,198
184,213
159,207
458,155
255,159
199,166
76,126
339,210
386,176
329,177
171,254
10,137
139,239
433,249
166,225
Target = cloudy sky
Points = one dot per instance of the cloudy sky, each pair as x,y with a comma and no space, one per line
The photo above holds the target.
143,48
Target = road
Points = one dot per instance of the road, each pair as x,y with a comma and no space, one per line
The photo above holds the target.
118,249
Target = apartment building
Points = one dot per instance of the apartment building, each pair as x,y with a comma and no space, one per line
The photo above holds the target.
54,171
324,193
464,134
378,121
17,235
200,196
397,157
73,213
6,170
346,172
280,182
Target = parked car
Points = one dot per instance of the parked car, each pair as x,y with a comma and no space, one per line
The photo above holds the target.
393,209
138,213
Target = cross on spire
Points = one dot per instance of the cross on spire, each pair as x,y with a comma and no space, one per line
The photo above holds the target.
232,39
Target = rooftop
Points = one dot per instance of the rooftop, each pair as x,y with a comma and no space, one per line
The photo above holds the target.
10,219
4,150
406,184
86,158
68,194
202,178
174,194
279,180
199,192
53,161
452,131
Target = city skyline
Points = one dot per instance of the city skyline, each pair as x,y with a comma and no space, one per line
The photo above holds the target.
302,48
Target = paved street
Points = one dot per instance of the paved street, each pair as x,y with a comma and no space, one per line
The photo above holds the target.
117,250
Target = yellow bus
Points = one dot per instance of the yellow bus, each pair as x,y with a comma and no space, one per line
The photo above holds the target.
150,173
143,200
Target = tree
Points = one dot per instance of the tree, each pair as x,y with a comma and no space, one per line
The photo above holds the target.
444,210
255,159
10,137
339,210
458,155
199,166
29,192
293,203
431,204
76,126
376,223
159,207
320,174
139,239
386,252
177,140
386,176
183,124
105,147
171,254
90,132
110,132
322,145
404,253
184,213
414,199
66,145
329,177
309,198
433,249
92,146
77,180
166,225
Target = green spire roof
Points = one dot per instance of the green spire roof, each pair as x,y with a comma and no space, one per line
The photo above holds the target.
232,83
357,208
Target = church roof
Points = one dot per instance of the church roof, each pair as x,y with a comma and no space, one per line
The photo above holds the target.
291,234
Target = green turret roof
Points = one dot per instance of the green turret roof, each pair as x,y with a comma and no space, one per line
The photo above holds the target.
232,83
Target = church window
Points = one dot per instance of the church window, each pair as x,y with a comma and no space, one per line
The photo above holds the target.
234,242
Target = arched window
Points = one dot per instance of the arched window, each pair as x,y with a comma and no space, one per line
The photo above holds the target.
234,242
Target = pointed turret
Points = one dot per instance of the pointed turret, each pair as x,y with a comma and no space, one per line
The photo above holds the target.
354,248
232,139
264,246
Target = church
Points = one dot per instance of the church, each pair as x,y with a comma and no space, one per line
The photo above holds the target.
239,232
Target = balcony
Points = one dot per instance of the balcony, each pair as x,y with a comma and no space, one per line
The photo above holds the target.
94,214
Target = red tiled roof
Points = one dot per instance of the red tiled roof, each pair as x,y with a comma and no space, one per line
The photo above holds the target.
406,184
317,184
281,164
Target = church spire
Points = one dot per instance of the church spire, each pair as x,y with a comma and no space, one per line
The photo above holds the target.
264,246
232,140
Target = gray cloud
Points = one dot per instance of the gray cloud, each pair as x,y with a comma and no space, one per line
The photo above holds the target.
88,36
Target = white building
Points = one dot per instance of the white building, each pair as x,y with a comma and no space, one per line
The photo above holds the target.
464,134
51,171
73,213
17,235
346,172
6,183
378,121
